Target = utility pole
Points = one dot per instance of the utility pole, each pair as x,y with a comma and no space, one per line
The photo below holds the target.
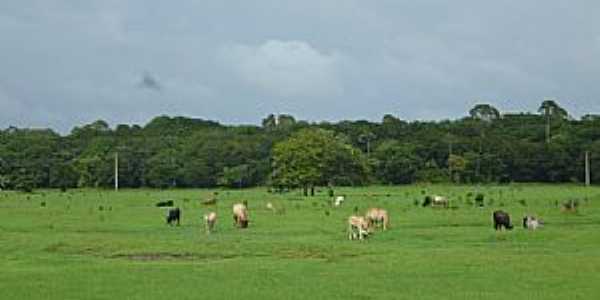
587,168
449,161
116,171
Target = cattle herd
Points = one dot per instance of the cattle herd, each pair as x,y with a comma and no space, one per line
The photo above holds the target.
359,226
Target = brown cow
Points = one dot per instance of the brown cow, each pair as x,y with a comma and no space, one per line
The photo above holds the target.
377,217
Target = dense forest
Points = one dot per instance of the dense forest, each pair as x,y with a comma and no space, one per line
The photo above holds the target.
483,147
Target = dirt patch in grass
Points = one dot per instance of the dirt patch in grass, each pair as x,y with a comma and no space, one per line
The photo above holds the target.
186,256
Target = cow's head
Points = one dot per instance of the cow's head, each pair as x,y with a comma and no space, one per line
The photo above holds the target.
428,200
244,223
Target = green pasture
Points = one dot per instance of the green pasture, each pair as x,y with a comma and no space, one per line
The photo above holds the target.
100,244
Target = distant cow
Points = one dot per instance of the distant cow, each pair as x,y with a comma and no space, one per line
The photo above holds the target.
339,200
532,223
502,219
174,215
377,217
270,206
209,221
357,227
240,215
436,201
168,203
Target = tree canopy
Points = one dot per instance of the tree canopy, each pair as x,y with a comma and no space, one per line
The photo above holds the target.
171,152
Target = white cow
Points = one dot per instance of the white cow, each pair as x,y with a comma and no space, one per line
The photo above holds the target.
436,201
240,215
532,223
338,201
210,220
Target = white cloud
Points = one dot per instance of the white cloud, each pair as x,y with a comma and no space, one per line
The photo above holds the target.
286,68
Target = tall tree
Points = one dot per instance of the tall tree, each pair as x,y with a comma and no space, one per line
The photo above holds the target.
551,111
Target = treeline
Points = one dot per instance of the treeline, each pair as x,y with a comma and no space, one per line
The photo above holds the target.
485,146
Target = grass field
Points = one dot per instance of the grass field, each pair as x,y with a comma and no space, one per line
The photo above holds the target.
88,244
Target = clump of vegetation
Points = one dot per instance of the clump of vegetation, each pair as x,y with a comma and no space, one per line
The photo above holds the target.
469,202
479,199
523,202
43,204
570,205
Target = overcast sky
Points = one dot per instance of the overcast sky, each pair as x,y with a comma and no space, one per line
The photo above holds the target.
66,63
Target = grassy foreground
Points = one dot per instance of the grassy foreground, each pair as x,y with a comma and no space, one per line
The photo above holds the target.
89,244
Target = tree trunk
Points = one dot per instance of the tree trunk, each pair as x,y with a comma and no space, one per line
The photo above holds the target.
305,190
312,190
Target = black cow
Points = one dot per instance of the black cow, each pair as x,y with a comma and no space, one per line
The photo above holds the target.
174,215
168,203
502,219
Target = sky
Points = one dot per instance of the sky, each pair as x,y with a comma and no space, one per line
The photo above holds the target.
68,63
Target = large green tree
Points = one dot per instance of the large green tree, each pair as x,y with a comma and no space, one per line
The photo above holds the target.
314,157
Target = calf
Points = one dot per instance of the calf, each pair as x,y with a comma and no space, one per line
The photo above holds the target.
377,217
240,215
501,219
209,220
357,227
532,223
174,215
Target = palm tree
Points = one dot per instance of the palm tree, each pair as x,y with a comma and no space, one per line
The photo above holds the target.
551,110
486,113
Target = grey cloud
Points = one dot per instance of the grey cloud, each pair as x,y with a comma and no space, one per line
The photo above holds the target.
286,68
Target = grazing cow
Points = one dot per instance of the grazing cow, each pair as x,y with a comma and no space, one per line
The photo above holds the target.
532,223
357,227
209,220
339,200
502,219
240,215
377,217
436,201
270,206
168,203
174,215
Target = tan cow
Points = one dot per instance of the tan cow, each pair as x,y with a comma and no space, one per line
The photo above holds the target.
360,224
377,217
240,215
210,220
